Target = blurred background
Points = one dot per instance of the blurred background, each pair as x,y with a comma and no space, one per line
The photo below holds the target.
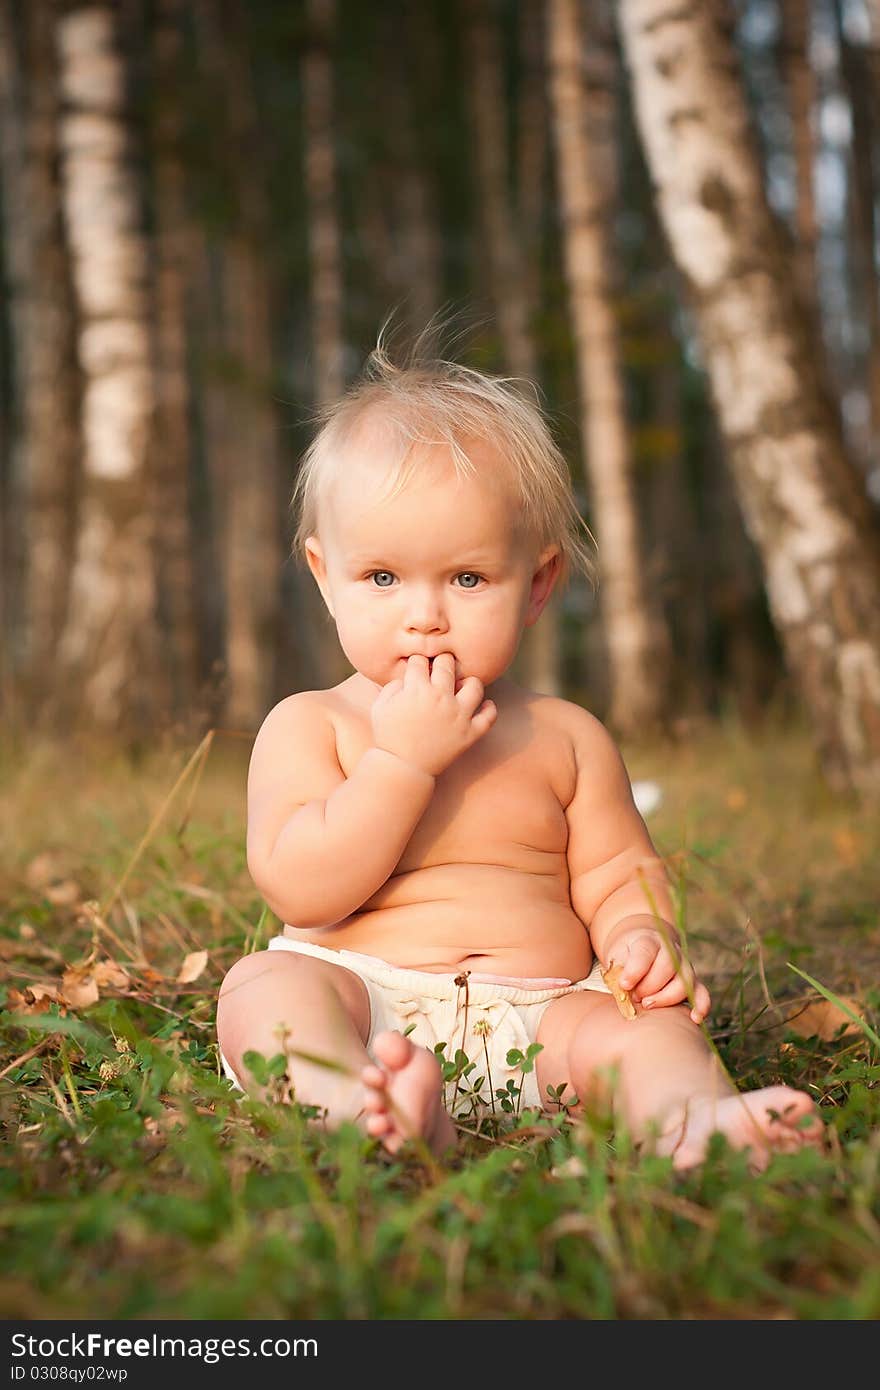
665,219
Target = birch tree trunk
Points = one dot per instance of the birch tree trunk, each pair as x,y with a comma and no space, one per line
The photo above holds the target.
800,82
858,77
107,656
803,502
45,445
540,652
635,633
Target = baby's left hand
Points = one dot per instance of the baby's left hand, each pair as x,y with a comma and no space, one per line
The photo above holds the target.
656,975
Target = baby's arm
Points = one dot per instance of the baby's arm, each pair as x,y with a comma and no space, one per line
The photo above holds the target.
320,843
619,886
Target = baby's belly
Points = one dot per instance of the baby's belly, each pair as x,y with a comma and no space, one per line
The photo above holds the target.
475,917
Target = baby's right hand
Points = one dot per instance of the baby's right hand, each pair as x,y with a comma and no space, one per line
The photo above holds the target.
423,721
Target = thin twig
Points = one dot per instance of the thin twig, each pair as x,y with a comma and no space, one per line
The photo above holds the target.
26,1056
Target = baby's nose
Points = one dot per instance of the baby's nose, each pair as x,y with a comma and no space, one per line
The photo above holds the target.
426,613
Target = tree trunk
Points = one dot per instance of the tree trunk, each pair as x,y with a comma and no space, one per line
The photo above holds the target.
319,158
45,444
418,252
857,78
634,631
540,655
531,149
108,653
800,81
172,462
503,249
675,559
803,502
325,265
246,472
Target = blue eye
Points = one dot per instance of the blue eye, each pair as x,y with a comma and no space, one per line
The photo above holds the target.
469,580
383,579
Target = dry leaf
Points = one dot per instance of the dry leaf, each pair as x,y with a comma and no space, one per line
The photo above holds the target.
622,997
736,798
80,986
192,967
824,1020
110,972
30,1000
148,977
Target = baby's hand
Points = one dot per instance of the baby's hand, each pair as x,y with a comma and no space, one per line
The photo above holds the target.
654,971
422,720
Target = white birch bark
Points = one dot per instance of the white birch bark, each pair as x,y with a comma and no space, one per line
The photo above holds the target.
108,647
635,633
802,500
860,75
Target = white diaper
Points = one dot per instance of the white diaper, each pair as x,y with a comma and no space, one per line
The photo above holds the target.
484,1016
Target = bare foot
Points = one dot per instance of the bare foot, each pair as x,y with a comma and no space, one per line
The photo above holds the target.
403,1096
773,1120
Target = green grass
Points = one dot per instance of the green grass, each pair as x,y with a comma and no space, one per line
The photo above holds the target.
135,1185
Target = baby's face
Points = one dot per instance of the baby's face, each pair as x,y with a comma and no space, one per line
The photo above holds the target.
443,566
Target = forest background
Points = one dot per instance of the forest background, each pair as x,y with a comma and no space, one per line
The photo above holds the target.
666,225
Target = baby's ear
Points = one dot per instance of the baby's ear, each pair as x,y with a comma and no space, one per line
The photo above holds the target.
315,559
548,568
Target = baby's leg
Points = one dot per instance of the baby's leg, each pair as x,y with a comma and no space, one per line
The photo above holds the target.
278,1001
668,1086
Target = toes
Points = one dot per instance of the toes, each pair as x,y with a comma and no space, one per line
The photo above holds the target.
374,1077
393,1049
376,1102
377,1125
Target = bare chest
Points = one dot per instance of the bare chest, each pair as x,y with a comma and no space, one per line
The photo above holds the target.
502,803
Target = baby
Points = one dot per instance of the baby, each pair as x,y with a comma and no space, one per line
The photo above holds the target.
458,860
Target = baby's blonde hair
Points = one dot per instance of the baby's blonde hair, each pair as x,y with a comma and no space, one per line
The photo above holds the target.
428,400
